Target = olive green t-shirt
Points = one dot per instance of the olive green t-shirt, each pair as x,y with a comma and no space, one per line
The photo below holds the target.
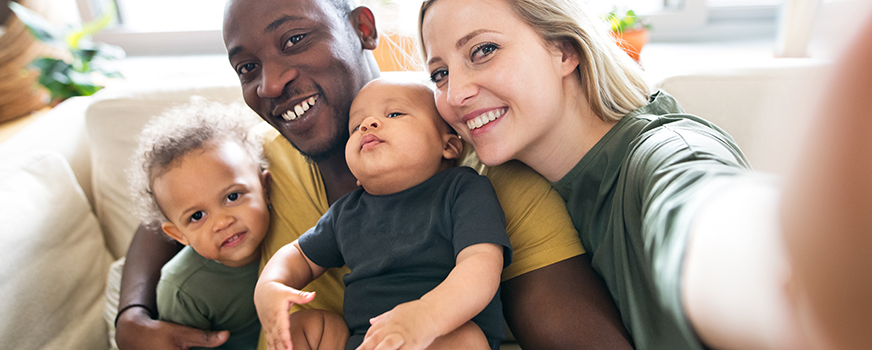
632,198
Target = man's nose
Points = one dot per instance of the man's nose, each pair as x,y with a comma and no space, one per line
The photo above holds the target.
274,77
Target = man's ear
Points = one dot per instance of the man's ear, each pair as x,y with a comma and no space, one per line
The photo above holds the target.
363,22
173,231
452,146
266,182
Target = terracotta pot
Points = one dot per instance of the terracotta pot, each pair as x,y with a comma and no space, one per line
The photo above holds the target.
632,41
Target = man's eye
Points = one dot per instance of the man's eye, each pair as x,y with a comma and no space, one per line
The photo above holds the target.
394,114
294,40
245,68
482,51
197,216
438,75
233,196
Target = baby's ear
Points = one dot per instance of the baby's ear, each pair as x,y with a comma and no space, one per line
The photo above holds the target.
452,146
173,231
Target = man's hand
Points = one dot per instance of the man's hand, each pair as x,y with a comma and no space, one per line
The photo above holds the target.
273,301
407,326
136,330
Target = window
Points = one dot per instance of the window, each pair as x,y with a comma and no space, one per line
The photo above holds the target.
194,26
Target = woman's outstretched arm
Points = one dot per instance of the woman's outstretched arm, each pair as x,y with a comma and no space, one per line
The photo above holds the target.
827,212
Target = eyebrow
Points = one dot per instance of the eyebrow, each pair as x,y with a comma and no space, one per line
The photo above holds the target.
269,28
462,41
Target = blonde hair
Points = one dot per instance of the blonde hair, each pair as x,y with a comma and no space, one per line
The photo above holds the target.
166,139
611,80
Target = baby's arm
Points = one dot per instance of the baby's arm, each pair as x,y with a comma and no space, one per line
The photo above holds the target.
466,291
278,288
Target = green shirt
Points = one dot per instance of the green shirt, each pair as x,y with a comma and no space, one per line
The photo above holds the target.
204,294
632,198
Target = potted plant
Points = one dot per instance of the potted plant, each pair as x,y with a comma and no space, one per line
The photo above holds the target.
80,67
629,30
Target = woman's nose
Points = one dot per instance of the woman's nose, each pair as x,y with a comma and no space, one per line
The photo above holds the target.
460,89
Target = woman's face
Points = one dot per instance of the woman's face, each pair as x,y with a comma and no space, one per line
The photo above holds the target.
498,83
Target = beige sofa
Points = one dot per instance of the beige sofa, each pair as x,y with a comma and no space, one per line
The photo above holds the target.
65,215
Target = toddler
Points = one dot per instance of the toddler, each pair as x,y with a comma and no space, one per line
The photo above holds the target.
200,178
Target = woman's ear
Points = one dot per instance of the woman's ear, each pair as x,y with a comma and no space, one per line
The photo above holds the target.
569,57
363,22
452,146
173,231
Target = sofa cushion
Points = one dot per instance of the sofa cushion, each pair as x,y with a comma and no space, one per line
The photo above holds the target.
54,259
114,120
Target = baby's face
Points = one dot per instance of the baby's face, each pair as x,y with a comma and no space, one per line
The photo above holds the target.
397,138
215,200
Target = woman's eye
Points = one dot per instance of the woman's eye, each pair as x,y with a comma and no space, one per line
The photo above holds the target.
482,51
245,68
233,196
394,114
438,75
197,216
294,40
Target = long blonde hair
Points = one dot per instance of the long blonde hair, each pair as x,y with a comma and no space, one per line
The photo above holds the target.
611,80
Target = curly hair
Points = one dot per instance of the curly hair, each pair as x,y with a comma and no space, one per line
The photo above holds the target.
166,139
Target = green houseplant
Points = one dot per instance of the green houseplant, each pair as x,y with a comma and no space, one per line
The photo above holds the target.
75,74
630,30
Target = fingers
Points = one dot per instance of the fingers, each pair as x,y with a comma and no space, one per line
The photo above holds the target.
203,339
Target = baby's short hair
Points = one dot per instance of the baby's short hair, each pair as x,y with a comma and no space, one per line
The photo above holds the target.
175,133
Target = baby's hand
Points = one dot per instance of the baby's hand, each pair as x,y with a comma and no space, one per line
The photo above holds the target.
408,326
273,302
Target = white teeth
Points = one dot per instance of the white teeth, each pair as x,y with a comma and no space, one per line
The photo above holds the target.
485,118
299,109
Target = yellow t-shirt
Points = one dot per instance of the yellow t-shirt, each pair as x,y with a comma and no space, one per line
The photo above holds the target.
539,227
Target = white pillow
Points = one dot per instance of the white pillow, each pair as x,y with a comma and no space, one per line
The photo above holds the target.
114,121
53,258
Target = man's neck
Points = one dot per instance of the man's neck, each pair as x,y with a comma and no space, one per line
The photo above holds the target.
338,179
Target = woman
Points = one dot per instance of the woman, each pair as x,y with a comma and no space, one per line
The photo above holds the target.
683,233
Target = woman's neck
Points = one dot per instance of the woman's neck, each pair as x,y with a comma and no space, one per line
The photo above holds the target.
576,131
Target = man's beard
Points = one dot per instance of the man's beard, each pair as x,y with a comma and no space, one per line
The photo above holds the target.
337,144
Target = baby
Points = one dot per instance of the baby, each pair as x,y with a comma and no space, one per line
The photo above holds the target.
425,241
204,182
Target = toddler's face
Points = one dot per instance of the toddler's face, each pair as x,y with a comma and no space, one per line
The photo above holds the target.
215,200
397,138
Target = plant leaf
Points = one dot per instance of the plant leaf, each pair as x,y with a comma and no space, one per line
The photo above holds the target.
90,28
36,24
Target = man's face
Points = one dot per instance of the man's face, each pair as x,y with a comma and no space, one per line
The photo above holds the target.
300,64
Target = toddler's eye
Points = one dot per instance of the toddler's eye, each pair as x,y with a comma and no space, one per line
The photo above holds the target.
197,216
233,196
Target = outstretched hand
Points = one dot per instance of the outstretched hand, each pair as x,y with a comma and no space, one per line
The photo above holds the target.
137,330
273,302
407,326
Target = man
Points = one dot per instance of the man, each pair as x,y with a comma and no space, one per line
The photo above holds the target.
300,63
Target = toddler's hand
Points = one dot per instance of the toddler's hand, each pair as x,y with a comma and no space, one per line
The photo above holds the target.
408,326
273,302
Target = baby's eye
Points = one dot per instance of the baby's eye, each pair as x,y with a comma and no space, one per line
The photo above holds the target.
197,216
394,114
233,196
294,40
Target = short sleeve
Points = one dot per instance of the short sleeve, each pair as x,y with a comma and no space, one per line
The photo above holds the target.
177,306
477,216
538,224
320,244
